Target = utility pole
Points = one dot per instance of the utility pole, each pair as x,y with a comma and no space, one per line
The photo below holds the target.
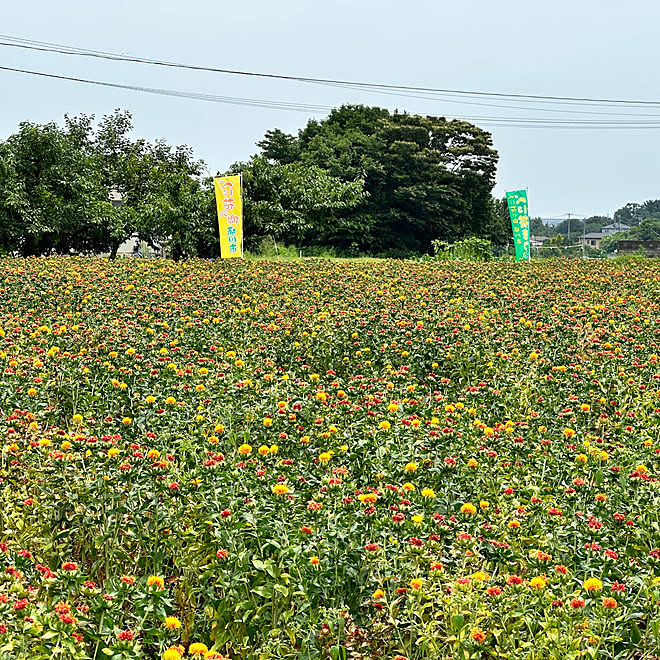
568,240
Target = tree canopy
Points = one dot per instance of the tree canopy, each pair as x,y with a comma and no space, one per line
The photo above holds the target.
361,180
55,185
424,177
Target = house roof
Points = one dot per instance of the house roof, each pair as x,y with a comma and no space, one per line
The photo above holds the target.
594,234
619,226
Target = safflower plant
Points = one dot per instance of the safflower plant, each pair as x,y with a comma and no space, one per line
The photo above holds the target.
329,460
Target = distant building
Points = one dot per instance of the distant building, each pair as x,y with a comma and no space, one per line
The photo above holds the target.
650,248
592,239
116,198
538,241
607,230
133,247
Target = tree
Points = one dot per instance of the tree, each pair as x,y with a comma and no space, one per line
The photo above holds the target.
55,185
290,201
52,196
425,177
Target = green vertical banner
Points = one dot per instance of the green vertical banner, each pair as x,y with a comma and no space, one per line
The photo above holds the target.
518,210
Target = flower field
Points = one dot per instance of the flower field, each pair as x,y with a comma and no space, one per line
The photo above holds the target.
329,460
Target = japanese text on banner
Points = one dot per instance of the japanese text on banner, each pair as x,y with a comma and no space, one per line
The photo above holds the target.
519,212
230,215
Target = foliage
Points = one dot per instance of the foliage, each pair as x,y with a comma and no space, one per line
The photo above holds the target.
470,249
55,185
425,177
290,202
321,459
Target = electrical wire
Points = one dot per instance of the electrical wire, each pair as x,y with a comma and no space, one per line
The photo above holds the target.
234,100
506,122
18,42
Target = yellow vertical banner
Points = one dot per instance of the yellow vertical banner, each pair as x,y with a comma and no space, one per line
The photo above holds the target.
228,197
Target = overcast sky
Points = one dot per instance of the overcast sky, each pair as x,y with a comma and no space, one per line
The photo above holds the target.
586,48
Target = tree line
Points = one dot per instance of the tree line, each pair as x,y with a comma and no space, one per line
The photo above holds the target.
363,180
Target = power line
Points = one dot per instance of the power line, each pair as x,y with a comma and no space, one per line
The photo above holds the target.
17,42
234,100
506,122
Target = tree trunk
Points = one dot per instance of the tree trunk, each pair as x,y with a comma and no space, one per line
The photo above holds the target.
113,251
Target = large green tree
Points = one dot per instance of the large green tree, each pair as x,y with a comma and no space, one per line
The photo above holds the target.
425,177
52,196
55,186
294,203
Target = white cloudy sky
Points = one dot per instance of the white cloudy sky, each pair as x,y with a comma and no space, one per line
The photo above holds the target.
586,48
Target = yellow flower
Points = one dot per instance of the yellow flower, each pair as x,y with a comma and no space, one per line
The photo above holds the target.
514,524
410,467
280,489
538,582
393,407
416,583
150,399
593,584
480,576
472,463
155,580
171,654
172,623
77,419
468,508
533,356
112,452
379,593
428,492
408,487
170,401
325,456
274,449
384,425
198,648
268,421
581,458
263,450
245,450
484,504
417,519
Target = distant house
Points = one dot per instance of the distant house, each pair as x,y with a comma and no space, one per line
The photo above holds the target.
592,239
607,230
538,241
116,198
133,247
